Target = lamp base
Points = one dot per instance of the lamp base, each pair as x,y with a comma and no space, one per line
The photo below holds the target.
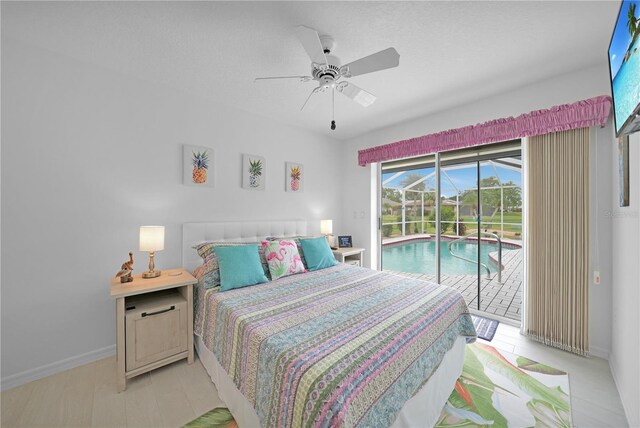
331,240
151,274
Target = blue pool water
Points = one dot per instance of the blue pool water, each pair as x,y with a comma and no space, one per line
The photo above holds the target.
420,256
626,86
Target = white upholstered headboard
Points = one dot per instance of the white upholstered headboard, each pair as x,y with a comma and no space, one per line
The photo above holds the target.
236,231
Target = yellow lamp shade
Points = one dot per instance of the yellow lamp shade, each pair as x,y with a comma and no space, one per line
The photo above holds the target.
326,227
151,238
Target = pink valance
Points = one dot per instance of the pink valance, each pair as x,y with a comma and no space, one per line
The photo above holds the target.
582,114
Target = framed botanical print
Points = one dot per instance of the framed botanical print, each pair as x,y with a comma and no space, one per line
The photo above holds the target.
198,166
253,172
294,177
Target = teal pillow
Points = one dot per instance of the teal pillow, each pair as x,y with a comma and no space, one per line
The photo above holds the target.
317,253
239,266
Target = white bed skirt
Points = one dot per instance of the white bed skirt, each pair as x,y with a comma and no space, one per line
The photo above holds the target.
420,411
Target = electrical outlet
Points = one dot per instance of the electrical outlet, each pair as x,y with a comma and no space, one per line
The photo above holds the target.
596,277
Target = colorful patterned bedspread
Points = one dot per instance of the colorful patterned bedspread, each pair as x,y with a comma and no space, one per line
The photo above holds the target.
344,346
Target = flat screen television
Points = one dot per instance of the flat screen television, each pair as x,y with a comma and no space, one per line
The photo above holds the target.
624,68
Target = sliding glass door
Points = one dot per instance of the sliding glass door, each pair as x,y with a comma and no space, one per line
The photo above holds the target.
408,219
500,185
457,220
458,215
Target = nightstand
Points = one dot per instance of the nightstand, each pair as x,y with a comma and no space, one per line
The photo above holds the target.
154,322
350,255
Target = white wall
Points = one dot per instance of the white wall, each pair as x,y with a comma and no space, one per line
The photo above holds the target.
88,156
560,90
625,332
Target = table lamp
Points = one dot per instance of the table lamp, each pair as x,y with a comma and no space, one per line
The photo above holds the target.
326,228
152,240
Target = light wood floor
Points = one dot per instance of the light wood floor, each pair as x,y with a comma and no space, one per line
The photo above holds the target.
175,394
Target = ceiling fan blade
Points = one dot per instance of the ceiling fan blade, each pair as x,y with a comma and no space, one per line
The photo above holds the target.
302,78
311,43
382,60
357,94
315,90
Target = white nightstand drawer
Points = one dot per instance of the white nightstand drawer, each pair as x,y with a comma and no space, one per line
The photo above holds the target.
156,327
350,255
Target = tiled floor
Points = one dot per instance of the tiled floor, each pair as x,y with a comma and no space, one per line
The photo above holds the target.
171,396
502,299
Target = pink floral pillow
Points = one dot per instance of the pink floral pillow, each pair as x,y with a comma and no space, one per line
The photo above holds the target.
283,258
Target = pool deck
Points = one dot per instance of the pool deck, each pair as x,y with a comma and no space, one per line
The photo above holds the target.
504,299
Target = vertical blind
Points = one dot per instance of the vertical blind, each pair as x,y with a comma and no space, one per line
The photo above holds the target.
557,248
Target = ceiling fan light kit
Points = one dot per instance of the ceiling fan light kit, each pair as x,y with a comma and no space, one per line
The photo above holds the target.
327,70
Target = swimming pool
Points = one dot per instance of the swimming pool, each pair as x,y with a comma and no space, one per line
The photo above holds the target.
419,256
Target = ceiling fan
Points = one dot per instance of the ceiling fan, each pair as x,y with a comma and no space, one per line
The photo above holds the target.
328,72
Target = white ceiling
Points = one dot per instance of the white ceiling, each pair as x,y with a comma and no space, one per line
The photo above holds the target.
450,52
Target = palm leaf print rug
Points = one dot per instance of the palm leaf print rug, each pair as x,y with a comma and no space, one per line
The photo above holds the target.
219,417
496,389
501,389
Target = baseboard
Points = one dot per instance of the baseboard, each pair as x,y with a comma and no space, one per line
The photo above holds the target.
597,351
625,406
57,367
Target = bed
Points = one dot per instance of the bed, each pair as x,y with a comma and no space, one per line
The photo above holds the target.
343,346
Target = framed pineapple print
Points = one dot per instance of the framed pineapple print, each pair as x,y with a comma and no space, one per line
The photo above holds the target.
198,165
253,172
294,177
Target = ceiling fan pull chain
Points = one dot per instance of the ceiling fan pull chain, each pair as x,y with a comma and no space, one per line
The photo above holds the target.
333,109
